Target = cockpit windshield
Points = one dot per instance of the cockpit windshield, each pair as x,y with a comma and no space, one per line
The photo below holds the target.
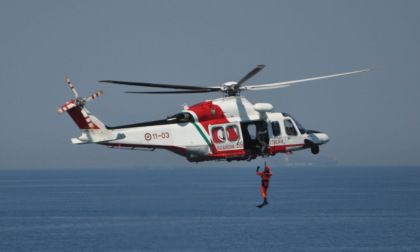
302,130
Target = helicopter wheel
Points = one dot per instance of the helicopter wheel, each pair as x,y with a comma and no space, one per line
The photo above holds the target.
315,149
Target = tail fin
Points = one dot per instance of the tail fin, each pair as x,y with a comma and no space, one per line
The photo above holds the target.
94,131
83,120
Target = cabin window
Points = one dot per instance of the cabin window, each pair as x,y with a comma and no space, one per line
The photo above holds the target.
252,130
232,133
276,128
218,134
290,128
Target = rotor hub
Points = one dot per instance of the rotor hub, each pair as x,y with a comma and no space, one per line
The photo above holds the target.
230,88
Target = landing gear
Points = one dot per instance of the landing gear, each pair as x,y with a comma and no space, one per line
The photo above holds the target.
315,149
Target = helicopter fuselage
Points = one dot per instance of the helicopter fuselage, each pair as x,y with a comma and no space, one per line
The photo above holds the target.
229,128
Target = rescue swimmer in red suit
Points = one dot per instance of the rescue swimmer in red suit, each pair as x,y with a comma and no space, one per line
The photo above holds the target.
265,180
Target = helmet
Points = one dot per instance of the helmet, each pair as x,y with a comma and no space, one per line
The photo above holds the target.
267,168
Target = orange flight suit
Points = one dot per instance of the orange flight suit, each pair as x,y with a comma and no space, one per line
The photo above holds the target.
265,180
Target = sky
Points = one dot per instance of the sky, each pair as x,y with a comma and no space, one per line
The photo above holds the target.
371,118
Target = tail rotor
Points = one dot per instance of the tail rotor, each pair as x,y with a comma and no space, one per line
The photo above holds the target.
79,103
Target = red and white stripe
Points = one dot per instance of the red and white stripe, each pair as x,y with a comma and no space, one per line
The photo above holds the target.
87,119
69,105
88,99
71,86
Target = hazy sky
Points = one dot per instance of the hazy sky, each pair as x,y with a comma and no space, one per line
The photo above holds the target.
372,118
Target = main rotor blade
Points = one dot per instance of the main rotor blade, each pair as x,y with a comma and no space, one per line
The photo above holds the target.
250,74
174,92
144,84
292,83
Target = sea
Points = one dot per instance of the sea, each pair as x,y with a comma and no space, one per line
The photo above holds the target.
210,209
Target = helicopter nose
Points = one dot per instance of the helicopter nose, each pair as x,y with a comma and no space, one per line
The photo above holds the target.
323,138
319,138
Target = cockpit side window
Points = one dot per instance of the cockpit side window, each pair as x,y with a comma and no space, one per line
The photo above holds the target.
276,128
302,130
290,128
252,130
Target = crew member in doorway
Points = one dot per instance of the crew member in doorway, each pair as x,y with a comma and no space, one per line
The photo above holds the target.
265,180
263,140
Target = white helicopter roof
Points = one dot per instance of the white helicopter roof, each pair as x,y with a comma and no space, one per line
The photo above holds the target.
236,106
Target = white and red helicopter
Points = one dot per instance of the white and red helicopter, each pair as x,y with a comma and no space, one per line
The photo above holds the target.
228,128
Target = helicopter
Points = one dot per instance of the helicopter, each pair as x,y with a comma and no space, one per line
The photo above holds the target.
228,128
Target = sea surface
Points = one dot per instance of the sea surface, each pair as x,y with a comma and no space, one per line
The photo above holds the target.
210,209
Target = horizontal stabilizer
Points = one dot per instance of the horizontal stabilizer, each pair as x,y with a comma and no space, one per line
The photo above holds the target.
93,136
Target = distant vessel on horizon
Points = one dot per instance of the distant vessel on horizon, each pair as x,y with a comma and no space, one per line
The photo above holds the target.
298,160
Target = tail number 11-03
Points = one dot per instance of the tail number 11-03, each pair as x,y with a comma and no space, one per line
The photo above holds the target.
155,136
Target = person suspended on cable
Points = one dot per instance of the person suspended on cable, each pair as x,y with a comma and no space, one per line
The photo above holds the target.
265,181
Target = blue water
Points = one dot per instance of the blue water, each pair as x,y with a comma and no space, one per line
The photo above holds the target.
311,209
